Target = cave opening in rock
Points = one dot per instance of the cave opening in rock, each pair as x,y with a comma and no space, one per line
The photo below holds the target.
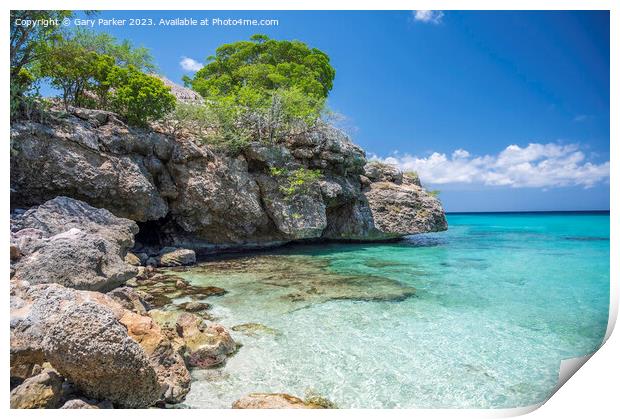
155,233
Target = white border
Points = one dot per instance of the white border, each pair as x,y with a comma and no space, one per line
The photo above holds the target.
594,389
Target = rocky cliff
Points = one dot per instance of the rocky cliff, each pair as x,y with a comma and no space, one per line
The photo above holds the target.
183,193
92,329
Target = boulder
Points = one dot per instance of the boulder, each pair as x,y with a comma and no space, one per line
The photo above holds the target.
129,299
273,401
207,344
75,259
82,403
194,306
106,351
178,257
163,353
62,214
399,210
42,391
386,211
88,345
378,171
69,242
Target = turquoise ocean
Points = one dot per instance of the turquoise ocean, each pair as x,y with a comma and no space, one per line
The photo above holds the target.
500,299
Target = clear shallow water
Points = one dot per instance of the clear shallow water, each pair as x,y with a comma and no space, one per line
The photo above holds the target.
500,300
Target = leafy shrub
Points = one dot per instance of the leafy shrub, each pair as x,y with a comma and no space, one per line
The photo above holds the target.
138,97
123,53
297,182
73,69
265,89
209,123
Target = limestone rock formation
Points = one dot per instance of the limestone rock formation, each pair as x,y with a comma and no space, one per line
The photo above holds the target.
69,242
207,345
81,403
177,257
188,195
106,351
42,391
75,259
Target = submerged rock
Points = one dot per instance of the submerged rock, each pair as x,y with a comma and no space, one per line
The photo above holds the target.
194,306
207,344
255,329
305,279
273,401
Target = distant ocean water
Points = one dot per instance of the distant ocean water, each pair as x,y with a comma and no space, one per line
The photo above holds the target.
500,300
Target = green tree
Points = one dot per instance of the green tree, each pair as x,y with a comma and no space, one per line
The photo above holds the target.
26,39
252,71
123,52
73,69
138,97
264,89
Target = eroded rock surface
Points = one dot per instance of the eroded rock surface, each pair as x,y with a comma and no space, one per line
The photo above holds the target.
204,200
68,242
207,344
108,352
42,391
177,257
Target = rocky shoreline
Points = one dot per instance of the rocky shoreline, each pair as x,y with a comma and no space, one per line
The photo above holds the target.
99,208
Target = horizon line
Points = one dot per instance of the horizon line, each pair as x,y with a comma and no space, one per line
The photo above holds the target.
528,211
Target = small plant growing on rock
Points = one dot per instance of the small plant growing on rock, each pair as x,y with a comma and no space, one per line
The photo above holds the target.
435,193
297,182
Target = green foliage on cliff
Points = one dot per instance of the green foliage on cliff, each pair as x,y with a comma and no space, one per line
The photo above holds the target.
88,78
251,71
264,89
138,97
297,182
90,70
123,52
25,43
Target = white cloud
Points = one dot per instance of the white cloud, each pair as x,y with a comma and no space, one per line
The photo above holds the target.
428,16
189,64
534,166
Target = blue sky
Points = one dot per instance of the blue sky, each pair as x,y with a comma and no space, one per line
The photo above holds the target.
501,111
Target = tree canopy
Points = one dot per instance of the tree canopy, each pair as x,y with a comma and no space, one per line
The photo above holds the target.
251,71
90,69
